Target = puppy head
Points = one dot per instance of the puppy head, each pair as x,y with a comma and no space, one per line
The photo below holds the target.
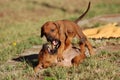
51,31
46,48
50,49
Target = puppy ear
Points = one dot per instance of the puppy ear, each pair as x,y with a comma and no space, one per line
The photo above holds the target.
60,27
42,31
61,30
57,25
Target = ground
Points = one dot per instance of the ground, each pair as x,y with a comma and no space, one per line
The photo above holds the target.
20,22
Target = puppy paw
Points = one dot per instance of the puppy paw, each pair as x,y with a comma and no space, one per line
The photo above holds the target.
78,59
60,58
37,68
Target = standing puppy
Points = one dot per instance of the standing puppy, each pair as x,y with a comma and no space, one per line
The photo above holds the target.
65,31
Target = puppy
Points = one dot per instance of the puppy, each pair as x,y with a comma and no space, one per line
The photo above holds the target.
65,31
48,57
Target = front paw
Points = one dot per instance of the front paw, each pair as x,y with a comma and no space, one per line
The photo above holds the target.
60,58
37,68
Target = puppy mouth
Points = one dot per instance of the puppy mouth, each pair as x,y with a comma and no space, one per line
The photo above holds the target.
54,42
49,50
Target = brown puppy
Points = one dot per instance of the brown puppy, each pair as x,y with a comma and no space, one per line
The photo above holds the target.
48,58
45,58
65,31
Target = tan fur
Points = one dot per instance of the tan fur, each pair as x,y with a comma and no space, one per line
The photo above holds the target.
46,59
65,31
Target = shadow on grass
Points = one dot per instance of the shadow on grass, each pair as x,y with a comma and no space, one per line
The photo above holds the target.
31,60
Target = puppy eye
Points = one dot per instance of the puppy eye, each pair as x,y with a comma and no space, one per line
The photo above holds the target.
52,30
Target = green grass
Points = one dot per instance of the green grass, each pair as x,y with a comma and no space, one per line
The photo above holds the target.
103,66
20,22
17,49
20,71
104,8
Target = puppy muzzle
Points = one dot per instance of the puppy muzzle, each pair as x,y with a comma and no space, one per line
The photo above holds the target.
52,40
49,38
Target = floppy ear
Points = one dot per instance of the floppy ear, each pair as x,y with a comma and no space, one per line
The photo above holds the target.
57,26
42,32
61,29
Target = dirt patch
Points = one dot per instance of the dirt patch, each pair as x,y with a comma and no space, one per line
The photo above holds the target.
108,48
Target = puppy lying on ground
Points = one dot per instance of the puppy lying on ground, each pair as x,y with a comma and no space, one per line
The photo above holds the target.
48,57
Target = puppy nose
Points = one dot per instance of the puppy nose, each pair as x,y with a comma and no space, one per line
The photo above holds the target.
49,38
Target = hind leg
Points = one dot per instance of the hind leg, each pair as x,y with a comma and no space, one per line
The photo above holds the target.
78,59
90,48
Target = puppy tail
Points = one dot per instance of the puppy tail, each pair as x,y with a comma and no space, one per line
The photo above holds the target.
76,21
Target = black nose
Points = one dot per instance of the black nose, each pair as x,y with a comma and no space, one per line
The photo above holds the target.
54,51
49,38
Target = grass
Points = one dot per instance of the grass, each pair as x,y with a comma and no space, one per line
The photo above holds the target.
13,50
103,66
20,22
20,71
104,8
